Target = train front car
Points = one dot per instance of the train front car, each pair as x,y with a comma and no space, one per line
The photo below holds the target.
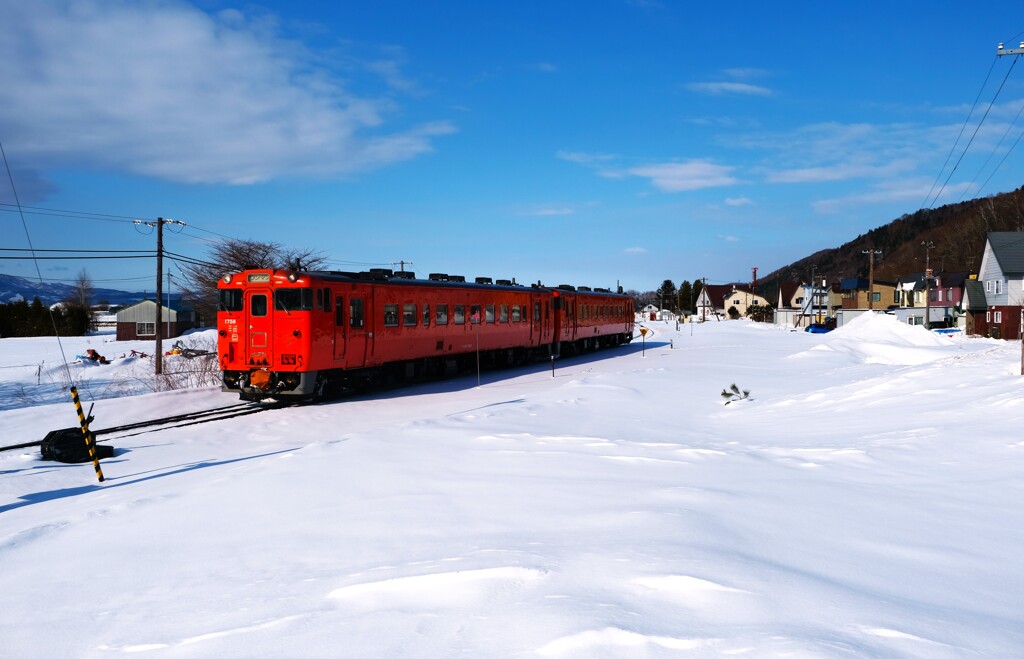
265,333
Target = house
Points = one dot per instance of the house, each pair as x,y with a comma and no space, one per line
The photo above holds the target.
974,306
856,292
138,321
1002,275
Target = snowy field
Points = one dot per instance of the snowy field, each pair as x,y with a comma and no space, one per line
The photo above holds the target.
864,501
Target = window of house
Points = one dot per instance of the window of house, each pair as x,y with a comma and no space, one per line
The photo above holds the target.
147,329
940,295
999,317
409,315
441,315
876,297
390,315
460,314
988,316
988,285
999,287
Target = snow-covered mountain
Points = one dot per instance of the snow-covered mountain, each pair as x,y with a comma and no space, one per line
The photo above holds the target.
13,289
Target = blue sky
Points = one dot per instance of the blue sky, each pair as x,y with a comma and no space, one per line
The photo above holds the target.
586,143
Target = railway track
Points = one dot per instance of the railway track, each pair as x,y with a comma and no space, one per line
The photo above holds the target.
174,421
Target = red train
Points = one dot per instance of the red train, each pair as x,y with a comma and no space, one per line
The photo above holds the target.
289,334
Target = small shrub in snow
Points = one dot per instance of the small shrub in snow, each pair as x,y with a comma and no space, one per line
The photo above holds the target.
733,394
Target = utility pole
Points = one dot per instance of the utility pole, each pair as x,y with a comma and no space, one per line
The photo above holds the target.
402,264
871,275
158,329
1010,51
928,245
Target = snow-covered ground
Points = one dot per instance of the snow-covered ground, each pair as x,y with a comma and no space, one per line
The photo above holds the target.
864,501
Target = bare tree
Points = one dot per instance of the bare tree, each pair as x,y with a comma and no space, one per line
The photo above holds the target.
233,255
83,288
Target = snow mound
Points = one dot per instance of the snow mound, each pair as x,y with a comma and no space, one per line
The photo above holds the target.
878,338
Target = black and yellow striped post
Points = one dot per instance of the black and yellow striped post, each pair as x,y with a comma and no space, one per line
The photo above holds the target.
90,441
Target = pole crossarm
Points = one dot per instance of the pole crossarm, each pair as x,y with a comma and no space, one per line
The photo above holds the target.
1000,51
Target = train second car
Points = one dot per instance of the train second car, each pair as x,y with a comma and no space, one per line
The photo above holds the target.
286,334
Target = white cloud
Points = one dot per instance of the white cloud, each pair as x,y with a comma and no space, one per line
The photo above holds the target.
738,201
719,88
168,91
685,176
584,158
549,211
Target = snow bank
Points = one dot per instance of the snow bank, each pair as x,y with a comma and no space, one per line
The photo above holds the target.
878,338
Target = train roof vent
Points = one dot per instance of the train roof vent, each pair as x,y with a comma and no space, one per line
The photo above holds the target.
602,290
456,278
584,288
484,280
566,287
376,274
504,282
437,276
404,274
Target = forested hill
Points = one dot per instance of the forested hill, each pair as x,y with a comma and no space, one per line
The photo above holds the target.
957,232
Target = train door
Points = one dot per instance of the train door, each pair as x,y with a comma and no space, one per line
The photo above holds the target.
357,331
340,326
259,327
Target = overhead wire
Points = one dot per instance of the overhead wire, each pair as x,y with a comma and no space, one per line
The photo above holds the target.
973,135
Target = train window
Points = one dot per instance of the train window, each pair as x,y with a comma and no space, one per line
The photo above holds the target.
339,311
319,299
258,305
426,315
442,314
503,313
489,313
293,299
231,299
327,299
515,313
460,314
355,312
474,313
536,312
409,315
390,315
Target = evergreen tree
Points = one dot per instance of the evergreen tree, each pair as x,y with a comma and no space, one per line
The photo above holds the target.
685,296
667,295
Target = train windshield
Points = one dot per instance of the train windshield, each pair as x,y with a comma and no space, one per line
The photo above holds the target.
293,299
230,299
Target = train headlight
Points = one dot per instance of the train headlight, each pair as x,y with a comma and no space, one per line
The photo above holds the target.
226,279
292,277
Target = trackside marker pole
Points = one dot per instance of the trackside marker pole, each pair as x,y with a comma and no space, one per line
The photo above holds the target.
90,441
552,366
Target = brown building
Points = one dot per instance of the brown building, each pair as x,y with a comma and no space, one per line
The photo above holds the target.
138,321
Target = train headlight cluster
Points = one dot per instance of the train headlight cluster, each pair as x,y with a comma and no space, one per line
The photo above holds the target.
292,277
226,279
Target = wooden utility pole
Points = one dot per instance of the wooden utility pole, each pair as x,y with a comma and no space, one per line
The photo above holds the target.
871,275
158,350
928,245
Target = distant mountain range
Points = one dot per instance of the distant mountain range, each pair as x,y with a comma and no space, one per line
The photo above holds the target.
13,289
